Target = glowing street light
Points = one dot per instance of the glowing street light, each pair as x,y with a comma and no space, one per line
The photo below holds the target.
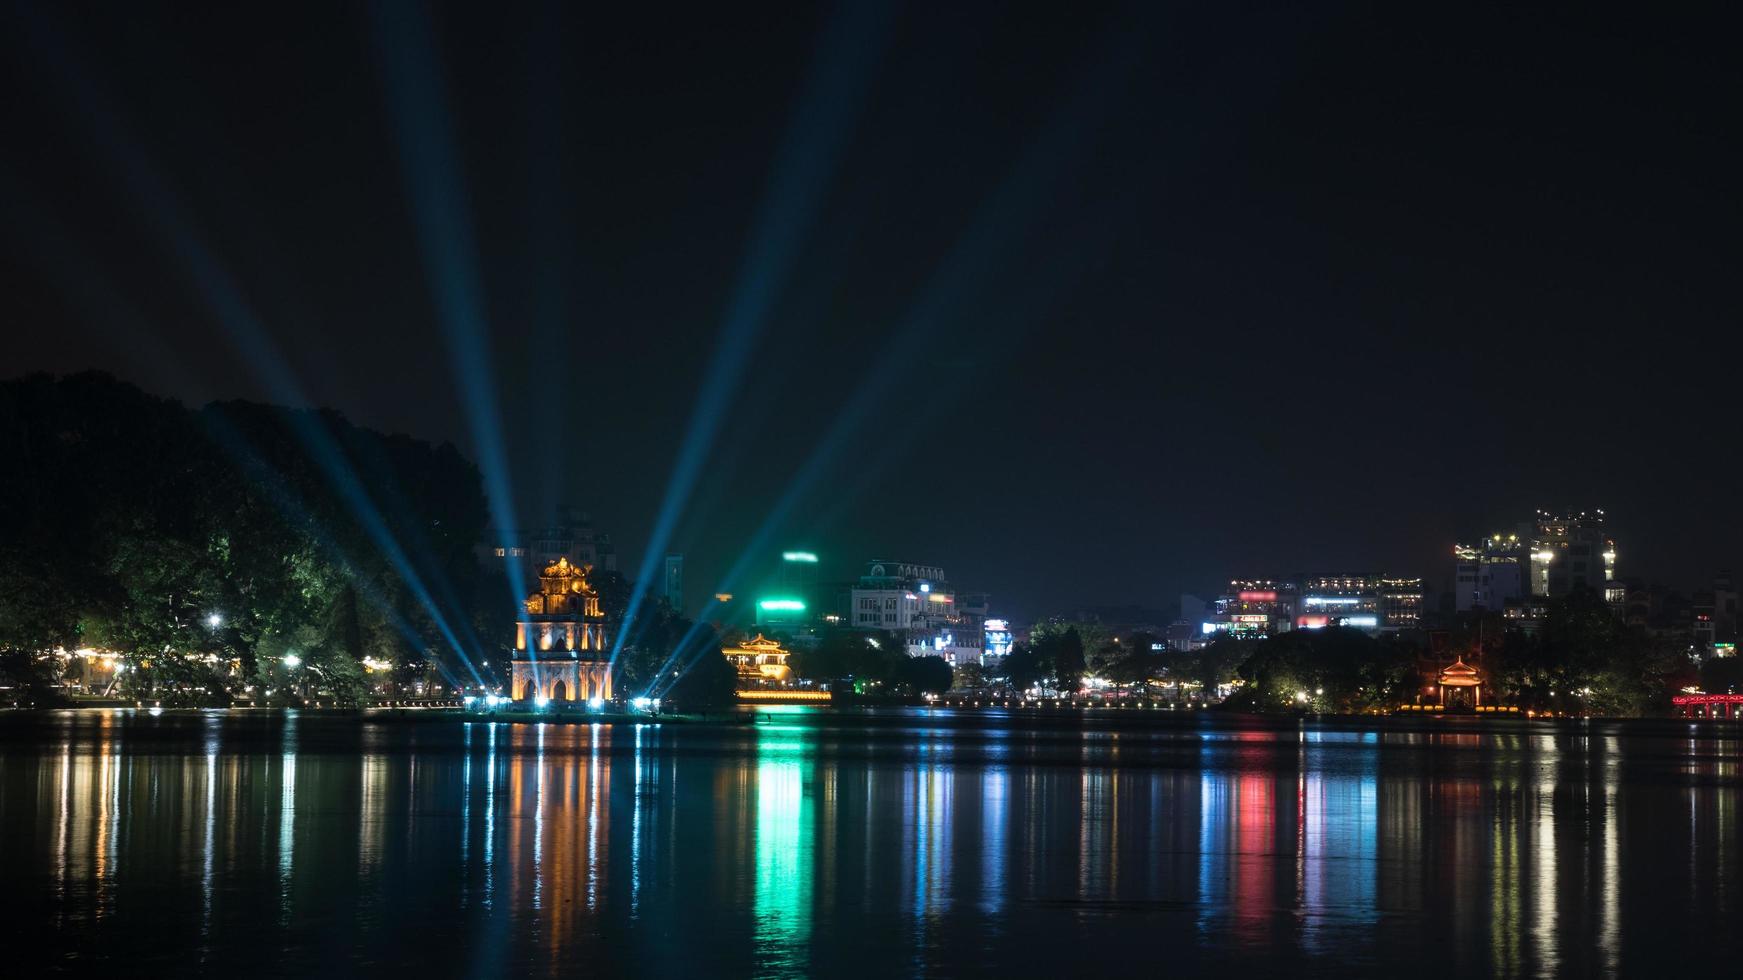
292,661
215,620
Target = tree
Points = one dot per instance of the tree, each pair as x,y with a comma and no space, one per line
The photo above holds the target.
1332,669
1722,675
843,656
1023,667
924,675
1060,648
707,681
971,677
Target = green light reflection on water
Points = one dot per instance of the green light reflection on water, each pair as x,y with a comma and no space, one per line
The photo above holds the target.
785,813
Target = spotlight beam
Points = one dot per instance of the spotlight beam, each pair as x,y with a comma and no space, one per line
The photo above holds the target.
224,299
837,80
272,483
101,304
1000,222
417,103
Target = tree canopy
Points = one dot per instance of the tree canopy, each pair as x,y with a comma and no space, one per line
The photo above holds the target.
189,539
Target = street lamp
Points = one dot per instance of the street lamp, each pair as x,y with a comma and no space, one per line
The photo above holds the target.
292,661
215,620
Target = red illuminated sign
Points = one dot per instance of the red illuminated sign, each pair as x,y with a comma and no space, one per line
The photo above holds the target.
1258,597
1312,622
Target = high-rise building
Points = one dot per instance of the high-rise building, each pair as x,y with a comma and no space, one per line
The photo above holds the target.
791,598
1486,575
1571,551
1548,558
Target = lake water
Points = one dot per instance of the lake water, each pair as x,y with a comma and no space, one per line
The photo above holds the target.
893,844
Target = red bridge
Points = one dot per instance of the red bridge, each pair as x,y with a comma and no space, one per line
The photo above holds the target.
1709,705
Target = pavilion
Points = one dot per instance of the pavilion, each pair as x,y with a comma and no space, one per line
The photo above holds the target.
560,650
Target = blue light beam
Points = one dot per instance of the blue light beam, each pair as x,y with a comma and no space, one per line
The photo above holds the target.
837,80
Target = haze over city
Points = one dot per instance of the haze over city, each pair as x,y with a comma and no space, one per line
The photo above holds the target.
1132,299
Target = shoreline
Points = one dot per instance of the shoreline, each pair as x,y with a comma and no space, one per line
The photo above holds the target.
945,717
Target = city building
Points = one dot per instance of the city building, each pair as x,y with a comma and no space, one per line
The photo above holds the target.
560,648
1548,558
1488,575
1571,551
790,598
1724,609
1252,608
761,664
918,602
1266,607
969,636
1375,603
902,596
998,640
571,537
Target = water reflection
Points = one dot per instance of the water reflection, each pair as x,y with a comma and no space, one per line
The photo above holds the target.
307,843
784,806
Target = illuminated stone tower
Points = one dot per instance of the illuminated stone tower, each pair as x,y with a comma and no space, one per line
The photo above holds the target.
559,644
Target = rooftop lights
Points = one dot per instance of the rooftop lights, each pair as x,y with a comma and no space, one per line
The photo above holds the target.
810,558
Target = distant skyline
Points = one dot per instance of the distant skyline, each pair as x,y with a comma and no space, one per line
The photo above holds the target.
1090,306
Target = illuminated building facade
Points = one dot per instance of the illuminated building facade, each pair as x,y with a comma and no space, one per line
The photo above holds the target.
1553,555
560,648
791,599
1252,608
761,663
1266,607
998,639
918,602
1460,685
902,596
1571,551
1374,603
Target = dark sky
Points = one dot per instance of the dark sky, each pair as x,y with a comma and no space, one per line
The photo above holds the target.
1091,305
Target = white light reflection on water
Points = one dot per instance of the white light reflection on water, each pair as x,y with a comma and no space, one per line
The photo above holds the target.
287,809
995,802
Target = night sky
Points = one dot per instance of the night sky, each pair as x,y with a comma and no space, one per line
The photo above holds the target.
1087,305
